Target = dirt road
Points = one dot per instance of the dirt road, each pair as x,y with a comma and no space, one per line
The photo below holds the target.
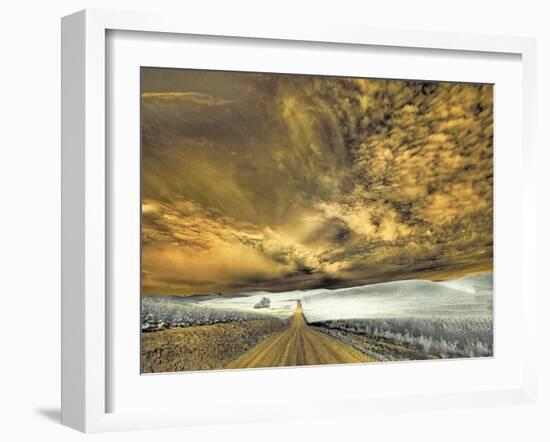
298,345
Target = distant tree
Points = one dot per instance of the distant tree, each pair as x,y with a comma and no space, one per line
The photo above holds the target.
264,303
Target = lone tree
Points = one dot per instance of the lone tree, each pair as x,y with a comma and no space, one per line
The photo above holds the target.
264,303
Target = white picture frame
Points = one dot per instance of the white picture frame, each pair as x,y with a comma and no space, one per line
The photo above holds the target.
86,206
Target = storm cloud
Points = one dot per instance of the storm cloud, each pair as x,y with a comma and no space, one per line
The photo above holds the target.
278,182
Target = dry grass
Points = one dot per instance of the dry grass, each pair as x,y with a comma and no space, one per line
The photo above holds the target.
205,347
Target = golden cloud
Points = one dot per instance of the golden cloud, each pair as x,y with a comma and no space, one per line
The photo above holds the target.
268,181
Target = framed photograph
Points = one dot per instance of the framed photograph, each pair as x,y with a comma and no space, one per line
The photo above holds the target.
249,213
291,220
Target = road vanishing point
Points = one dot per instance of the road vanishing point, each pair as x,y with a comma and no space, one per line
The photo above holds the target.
299,344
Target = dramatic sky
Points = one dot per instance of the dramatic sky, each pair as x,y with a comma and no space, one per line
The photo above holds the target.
279,182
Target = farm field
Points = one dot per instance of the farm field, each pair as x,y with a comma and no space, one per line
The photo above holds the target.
401,320
413,339
206,347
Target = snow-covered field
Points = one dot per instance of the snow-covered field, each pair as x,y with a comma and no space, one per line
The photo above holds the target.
281,304
443,319
466,297
471,296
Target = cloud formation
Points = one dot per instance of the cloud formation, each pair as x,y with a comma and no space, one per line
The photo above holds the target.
278,182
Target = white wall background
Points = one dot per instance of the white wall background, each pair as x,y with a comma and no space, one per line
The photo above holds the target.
30,215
